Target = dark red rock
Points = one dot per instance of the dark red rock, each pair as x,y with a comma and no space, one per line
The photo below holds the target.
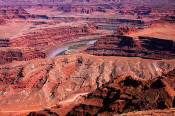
14,13
145,47
122,30
8,55
43,39
125,94
4,42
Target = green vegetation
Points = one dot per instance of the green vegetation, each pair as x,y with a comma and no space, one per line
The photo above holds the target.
84,40
61,53
76,46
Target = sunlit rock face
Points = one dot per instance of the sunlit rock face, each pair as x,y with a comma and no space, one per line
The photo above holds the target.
44,83
131,69
42,39
125,95
8,55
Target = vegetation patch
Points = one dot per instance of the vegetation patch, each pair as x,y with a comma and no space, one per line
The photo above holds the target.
76,46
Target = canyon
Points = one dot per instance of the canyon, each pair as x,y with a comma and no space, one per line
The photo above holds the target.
44,83
87,57
14,13
8,55
85,84
145,47
43,38
155,42
126,94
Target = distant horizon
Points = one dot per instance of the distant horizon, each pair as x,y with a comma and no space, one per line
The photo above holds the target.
79,2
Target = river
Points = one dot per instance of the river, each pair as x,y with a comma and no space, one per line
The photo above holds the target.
69,44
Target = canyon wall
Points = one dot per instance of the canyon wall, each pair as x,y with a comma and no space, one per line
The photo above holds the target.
123,30
57,2
14,13
115,21
145,47
43,39
43,83
84,9
128,94
8,54
4,42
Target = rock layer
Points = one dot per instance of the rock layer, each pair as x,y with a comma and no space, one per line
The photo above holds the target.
14,13
46,82
4,42
43,39
145,47
8,55
122,30
125,94
128,94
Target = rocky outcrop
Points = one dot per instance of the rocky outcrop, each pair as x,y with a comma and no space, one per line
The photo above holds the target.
170,19
2,21
115,21
43,83
165,112
122,30
130,22
122,95
85,9
8,55
43,39
128,94
4,42
14,13
58,2
145,47
143,11
18,13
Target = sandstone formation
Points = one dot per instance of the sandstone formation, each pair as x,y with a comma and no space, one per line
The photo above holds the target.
14,13
163,28
42,83
81,9
43,39
128,94
130,22
122,30
165,112
8,54
143,11
145,47
115,21
124,94
57,2
2,21
4,42
130,72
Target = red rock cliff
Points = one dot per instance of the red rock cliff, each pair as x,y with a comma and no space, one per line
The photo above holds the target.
146,47
43,83
8,55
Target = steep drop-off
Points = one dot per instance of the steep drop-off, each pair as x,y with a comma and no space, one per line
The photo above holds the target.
128,94
42,83
45,38
14,13
121,95
145,47
123,30
4,42
8,54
